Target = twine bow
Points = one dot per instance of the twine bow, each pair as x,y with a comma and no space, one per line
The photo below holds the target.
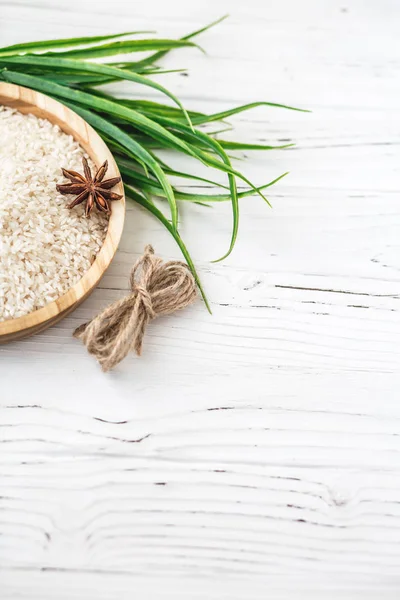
158,288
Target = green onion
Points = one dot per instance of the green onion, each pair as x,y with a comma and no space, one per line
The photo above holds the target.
135,129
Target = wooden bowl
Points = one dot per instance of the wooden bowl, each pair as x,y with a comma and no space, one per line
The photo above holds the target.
29,101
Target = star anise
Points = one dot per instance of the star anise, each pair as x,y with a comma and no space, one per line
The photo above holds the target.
92,189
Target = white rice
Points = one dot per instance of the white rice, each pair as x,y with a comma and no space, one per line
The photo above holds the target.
45,248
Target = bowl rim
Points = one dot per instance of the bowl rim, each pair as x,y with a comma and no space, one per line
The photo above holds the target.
29,101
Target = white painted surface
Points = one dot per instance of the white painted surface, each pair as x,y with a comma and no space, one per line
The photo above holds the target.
253,454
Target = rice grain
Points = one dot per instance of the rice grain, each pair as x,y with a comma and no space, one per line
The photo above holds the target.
45,248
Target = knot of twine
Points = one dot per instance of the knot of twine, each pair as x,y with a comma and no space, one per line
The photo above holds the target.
158,288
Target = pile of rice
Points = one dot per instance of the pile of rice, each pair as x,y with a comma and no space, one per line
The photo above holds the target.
45,248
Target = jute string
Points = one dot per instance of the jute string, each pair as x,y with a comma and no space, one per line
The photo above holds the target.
158,288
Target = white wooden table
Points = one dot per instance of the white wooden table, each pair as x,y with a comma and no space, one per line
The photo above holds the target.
253,454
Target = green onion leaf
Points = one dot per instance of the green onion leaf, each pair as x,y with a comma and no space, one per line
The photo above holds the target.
235,111
92,68
45,45
125,47
131,193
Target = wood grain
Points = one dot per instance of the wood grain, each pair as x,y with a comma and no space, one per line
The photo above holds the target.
29,101
253,454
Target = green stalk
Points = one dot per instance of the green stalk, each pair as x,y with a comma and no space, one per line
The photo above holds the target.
131,193
44,45
135,129
98,69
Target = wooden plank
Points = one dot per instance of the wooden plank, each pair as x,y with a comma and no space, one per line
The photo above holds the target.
254,453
